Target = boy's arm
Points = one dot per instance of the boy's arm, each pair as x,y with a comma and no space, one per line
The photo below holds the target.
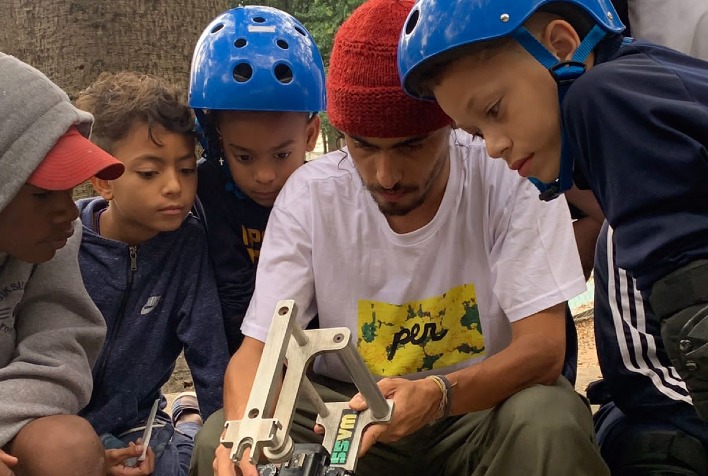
586,228
233,268
235,283
201,330
59,336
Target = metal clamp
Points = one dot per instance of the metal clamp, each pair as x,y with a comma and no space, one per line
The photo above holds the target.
265,427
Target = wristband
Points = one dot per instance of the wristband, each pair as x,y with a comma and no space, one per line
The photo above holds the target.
445,407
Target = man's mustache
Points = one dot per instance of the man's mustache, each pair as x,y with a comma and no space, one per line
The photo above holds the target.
376,188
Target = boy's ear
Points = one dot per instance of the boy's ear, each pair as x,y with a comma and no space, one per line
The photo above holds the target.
561,39
103,187
313,132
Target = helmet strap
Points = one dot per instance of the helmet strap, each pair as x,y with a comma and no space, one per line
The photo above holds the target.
564,73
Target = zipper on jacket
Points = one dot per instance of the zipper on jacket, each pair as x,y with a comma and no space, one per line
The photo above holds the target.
110,339
133,263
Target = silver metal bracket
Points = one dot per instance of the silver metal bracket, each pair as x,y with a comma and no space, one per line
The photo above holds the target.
265,427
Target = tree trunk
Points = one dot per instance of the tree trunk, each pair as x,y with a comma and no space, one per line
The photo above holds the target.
72,41
333,141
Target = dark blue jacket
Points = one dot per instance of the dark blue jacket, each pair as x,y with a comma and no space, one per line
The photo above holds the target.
235,228
638,126
158,299
637,374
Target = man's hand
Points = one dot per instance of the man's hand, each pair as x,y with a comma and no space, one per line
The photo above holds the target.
115,461
415,405
223,466
6,462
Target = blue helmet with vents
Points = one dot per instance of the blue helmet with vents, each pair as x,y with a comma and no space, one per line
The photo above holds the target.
257,58
436,27
253,58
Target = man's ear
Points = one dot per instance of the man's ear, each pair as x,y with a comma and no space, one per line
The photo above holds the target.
103,187
313,132
561,39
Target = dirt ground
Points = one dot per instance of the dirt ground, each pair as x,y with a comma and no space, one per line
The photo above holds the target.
588,367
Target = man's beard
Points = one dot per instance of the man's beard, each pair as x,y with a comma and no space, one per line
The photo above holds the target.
397,209
402,209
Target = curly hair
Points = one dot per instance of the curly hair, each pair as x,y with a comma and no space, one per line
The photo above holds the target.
119,101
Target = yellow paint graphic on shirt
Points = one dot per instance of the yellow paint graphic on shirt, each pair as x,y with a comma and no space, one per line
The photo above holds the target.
252,238
420,335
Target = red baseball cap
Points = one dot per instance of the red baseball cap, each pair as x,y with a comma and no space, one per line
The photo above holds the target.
73,160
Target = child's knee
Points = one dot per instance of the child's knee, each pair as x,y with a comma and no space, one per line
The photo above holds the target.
58,445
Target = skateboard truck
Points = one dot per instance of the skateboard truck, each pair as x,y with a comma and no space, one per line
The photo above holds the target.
265,427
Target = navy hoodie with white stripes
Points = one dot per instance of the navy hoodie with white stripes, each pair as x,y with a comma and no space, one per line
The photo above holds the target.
157,298
636,371
638,125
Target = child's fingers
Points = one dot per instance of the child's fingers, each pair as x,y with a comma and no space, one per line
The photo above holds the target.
7,459
117,456
149,463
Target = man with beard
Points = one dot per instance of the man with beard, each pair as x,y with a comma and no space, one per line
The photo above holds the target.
439,262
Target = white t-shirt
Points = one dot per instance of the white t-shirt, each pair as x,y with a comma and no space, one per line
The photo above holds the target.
430,301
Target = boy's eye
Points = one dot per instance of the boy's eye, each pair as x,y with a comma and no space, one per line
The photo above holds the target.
244,157
282,155
188,170
42,195
494,110
147,174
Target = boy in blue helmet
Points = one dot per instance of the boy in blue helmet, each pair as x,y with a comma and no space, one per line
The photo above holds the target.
631,126
257,83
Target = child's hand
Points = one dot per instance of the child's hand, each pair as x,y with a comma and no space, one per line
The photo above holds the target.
6,462
115,461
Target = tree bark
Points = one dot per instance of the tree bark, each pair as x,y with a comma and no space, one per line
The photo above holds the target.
73,41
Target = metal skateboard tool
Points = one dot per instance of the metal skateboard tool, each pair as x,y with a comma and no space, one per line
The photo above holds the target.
147,434
265,428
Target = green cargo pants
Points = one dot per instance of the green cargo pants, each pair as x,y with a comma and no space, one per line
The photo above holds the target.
543,431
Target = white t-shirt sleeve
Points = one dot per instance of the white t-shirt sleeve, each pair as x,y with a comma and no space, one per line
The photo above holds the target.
284,272
534,258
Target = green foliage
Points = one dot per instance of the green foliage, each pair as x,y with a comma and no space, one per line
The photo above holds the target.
322,18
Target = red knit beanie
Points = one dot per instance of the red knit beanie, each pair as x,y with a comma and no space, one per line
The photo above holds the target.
364,94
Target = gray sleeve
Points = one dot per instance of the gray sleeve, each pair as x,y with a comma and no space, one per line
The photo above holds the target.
60,333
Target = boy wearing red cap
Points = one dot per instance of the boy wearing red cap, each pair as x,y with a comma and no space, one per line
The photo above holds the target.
50,330
438,261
